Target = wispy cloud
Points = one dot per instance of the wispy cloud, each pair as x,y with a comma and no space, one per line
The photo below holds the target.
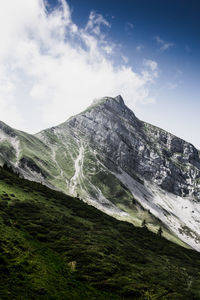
95,22
163,45
125,59
139,48
50,68
153,66
130,25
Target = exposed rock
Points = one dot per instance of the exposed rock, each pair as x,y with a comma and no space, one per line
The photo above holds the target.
139,148
121,165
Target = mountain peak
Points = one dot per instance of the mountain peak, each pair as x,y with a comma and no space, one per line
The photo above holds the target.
115,105
105,107
112,160
117,99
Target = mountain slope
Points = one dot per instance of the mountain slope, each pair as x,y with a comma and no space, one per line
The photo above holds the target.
26,153
54,246
121,165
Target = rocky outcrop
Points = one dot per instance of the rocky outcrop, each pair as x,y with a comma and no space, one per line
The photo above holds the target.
139,148
109,158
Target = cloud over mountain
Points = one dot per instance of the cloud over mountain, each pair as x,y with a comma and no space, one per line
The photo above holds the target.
51,68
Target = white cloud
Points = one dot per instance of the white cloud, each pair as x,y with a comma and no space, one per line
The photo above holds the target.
52,69
153,67
163,45
151,64
95,21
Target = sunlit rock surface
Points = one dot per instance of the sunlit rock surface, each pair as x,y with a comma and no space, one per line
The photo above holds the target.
112,160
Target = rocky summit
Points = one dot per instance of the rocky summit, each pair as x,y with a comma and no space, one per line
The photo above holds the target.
125,167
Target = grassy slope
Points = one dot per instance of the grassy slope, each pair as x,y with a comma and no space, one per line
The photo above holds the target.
56,247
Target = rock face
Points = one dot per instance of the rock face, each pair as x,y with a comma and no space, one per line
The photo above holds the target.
140,148
123,166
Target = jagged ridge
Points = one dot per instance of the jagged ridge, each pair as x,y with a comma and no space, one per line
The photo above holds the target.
123,166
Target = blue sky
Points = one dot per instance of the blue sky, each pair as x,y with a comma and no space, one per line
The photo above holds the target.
69,52
140,27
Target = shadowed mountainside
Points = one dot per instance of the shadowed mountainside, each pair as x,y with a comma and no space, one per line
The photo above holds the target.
53,246
125,167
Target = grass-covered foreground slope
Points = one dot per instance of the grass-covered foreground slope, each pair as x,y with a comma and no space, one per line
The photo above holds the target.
53,246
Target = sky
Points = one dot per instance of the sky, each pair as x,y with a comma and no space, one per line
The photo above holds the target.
57,56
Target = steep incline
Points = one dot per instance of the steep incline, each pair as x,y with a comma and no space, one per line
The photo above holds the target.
27,154
141,169
140,148
121,165
53,246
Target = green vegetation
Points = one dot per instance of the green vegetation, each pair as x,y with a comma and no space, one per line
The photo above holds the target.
36,154
96,176
65,161
110,186
53,246
7,150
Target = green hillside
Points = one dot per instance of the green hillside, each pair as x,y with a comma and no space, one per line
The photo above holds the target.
53,246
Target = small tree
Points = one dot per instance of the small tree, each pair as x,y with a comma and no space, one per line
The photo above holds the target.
7,167
160,231
144,224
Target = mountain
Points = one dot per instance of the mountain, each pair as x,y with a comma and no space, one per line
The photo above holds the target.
53,246
125,167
